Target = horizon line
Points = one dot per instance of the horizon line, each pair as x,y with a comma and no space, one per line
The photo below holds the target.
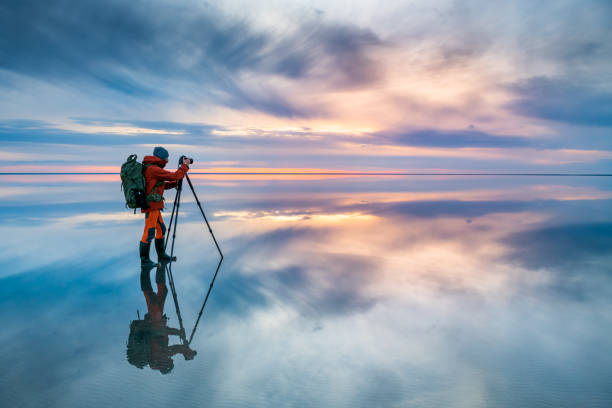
326,174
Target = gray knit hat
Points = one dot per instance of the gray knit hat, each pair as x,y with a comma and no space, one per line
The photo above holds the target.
160,152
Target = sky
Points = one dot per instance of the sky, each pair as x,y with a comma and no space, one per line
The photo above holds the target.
251,86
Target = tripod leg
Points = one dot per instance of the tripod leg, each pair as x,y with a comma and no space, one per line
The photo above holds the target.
205,300
203,215
176,304
177,202
176,197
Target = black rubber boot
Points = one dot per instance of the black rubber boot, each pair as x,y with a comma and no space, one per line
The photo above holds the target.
145,262
162,256
160,273
145,279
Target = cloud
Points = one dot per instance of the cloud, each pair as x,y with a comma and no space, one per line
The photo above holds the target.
451,138
54,145
575,256
161,49
309,87
85,38
575,37
337,54
441,208
104,132
239,294
563,100
566,247
328,284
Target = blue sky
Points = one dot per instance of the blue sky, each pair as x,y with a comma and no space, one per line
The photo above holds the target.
414,86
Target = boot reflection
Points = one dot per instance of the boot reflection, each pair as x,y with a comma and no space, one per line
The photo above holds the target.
148,342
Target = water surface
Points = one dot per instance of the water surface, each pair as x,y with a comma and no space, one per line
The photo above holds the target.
334,292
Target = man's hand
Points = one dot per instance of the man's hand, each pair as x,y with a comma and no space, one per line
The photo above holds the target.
189,354
186,161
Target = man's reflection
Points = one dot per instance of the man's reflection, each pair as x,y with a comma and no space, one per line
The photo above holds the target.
149,337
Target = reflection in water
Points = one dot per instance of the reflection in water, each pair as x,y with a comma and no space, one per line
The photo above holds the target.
352,292
148,343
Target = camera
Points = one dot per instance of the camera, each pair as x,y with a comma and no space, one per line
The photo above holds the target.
185,157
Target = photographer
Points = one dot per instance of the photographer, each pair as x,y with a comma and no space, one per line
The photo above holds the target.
157,181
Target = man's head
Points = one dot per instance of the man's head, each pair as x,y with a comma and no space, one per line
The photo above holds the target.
161,153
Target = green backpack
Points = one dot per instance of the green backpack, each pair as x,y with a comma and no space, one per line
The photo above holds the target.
133,184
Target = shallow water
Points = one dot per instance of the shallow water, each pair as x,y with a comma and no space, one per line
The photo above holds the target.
334,292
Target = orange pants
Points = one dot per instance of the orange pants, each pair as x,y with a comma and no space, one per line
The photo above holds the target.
154,226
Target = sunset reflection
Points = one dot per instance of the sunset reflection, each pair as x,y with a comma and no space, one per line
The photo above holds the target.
341,283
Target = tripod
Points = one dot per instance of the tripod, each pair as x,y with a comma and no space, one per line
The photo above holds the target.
173,223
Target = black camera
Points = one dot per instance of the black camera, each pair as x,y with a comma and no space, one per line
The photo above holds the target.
185,157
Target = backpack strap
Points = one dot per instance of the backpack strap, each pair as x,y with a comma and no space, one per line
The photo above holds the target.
153,196
159,183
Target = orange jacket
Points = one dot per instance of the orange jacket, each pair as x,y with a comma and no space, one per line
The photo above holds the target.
155,173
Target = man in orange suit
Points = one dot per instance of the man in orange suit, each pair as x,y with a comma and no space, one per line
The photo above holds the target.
157,181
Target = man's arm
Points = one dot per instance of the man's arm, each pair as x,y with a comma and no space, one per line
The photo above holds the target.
160,174
170,184
187,353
